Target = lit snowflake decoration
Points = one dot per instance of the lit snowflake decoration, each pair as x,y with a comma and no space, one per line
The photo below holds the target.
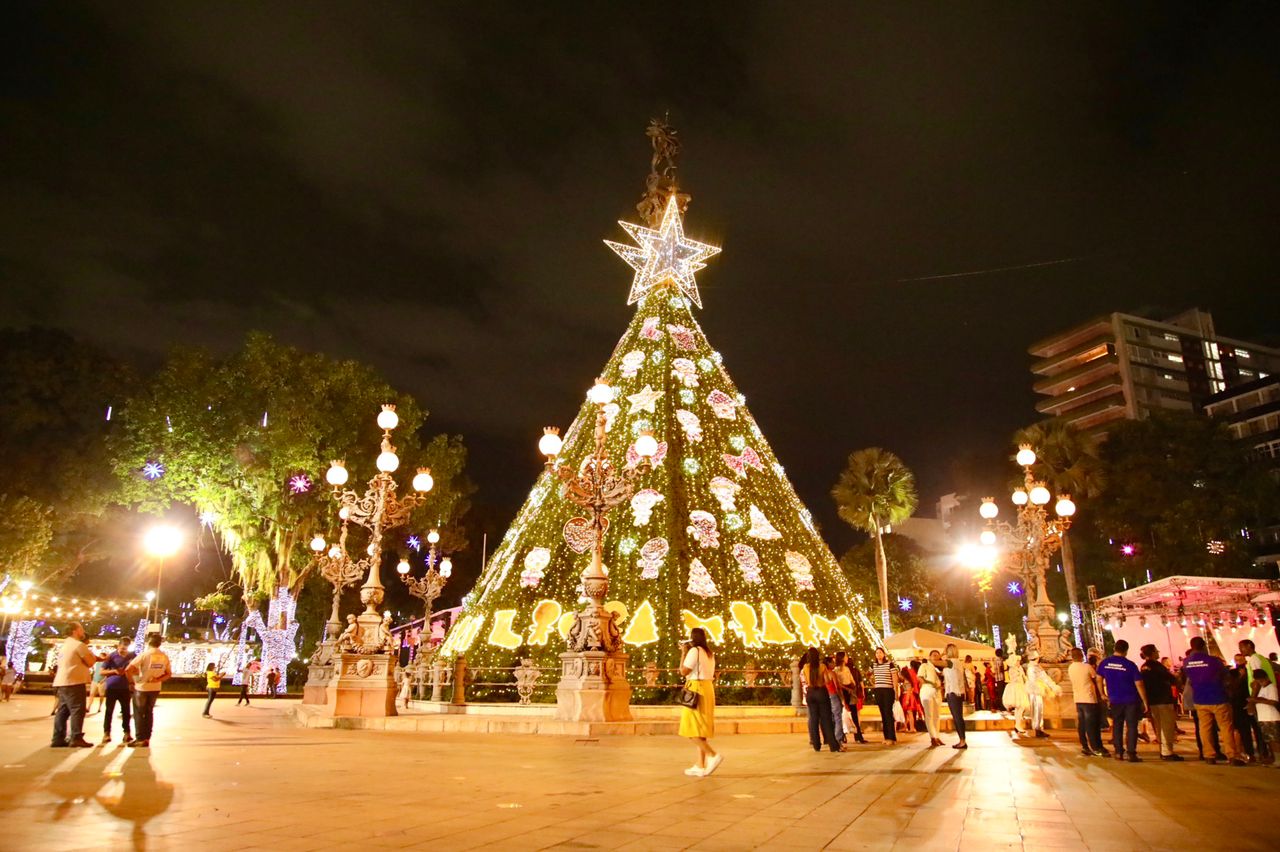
414,543
705,365
299,484
905,604
656,356
1014,587
687,397
691,466
626,546
733,521
152,470
737,442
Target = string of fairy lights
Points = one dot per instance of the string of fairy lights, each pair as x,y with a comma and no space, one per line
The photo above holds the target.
31,604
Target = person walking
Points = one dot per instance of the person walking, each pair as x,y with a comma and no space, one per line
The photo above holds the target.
117,690
954,686
273,681
1207,676
817,679
699,723
9,680
149,670
212,683
849,687
884,686
1084,685
971,683
75,671
1128,697
833,695
244,687
1160,684
97,689
931,696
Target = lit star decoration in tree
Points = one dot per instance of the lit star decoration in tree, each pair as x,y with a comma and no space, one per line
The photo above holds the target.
152,470
414,543
645,400
1014,587
905,604
299,484
663,255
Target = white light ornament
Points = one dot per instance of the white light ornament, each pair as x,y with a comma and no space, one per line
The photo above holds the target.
663,255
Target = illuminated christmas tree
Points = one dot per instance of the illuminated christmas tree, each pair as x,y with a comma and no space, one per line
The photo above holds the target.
714,535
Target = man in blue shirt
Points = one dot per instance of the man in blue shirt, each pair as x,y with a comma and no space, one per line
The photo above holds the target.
1128,697
117,689
1207,675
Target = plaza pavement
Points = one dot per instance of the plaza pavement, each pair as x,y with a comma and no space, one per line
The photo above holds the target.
248,779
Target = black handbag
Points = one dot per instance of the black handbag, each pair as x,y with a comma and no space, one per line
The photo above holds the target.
688,697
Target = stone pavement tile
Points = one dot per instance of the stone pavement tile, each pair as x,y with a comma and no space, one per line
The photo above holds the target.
602,840
984,841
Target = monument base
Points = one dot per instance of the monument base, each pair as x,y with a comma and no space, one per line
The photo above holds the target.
593,687
364,685
316,689
1063,706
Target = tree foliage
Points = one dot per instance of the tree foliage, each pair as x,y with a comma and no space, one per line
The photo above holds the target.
875,490
909,574
1067,459
233,433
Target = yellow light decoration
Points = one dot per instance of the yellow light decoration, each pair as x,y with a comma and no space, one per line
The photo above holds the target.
545,615
841,624
463,635
619,610
775,632
501,633
745,624
663,255
713,625
643,628
565,624
803,620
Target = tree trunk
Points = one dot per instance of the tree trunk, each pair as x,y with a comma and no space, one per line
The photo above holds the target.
1069,575
882,577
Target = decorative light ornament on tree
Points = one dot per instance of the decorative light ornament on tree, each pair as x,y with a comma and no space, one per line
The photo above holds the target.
739,463
535,565
631,363
702,526
651,555
723,405
299,483
579,534
801,570
663,256
650,329
642,506
700,582
645,400
684,339
153,470
685,371
760,526
691,425
726,493
748,562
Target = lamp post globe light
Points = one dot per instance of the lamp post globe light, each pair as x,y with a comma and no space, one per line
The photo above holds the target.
1027,545
160,542
593,683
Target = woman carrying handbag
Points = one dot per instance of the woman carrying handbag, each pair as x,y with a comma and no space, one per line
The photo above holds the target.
698,702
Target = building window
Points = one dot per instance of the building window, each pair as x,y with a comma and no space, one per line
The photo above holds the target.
1241,353
1175,358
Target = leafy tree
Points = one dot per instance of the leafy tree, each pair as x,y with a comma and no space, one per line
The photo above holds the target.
1175,483
26,529
913,578
55,394
874,491
234,434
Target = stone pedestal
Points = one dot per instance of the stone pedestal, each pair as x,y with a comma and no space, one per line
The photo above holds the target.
364,685
1060,711
316,689
593,687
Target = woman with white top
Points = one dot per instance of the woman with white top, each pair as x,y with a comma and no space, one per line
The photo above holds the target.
884,682
930,675
699,723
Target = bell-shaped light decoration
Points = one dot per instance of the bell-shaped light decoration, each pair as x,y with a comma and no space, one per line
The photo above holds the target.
646,445
1065,507
550,442
317,543
433,537
987,537
337,473
1019,497
988,509
1026,456
388,461
387,418
1039,494
422,480
600,393
446,567
402,567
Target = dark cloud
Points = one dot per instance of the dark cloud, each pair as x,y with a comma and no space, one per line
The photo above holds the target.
426,188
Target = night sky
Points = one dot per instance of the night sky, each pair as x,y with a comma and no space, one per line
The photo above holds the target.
907,196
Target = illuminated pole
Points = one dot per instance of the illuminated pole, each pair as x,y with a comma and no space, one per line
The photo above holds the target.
161,542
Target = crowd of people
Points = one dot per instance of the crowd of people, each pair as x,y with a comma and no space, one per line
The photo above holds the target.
1234,709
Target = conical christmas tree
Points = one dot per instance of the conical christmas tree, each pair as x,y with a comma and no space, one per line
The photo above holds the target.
714,535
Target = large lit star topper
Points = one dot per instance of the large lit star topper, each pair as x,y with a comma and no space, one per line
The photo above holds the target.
663,255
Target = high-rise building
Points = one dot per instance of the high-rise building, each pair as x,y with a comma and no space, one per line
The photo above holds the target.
1123,366
1252,413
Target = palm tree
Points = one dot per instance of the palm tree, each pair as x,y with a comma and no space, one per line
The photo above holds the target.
1071,464
875,491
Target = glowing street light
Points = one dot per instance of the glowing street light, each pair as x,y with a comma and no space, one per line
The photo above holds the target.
160,542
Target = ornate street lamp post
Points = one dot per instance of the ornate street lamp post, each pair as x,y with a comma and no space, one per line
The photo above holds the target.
1034,539
593,683
428,587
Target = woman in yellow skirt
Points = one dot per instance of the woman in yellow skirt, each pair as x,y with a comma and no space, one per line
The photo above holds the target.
699,723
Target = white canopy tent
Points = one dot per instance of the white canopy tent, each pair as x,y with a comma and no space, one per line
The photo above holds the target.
918,642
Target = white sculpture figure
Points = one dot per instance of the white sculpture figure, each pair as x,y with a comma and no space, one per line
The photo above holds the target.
1016,697
386,641
349,639
1039,687
526,679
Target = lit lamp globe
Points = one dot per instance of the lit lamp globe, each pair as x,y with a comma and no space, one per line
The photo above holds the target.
446,567
387,418
335,552
600,393
550,442
433,537
422,480
988,509
1026,456
162,541
646,445
987,537
402,567
317,543
151,596
388,461
1019,497
337,474
1065,507
1039,495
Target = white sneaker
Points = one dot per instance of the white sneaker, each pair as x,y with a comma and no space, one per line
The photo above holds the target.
695,771
714,764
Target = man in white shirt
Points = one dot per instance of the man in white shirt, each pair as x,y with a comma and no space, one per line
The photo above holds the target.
954,688
75,670
149,670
